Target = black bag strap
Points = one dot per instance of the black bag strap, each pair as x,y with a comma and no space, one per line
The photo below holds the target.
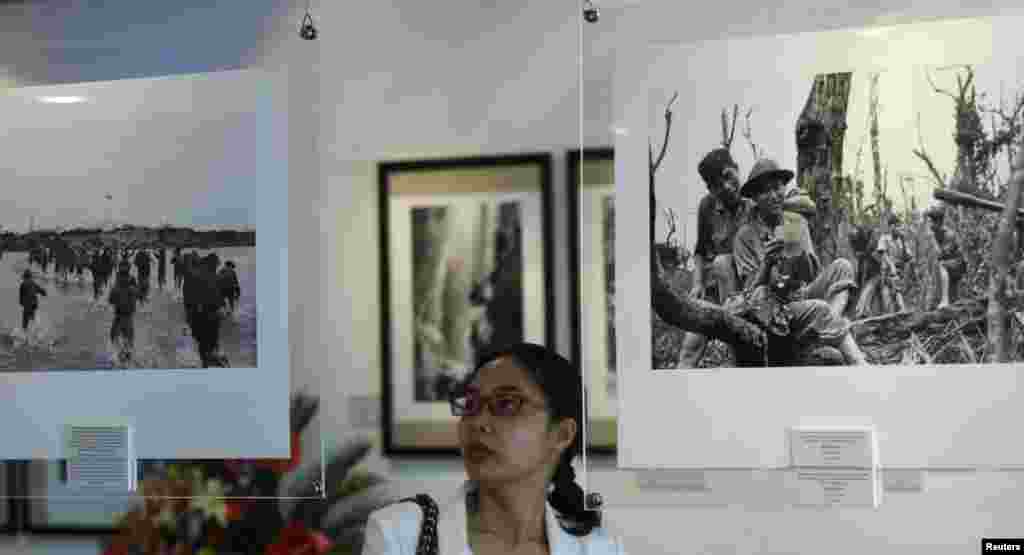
428,534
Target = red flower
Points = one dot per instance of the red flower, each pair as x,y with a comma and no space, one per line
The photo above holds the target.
296,539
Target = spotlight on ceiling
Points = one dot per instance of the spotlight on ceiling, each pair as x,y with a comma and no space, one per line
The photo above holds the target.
61,99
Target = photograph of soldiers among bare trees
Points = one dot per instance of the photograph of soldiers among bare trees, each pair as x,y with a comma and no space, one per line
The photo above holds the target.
847,218
125,240
467,288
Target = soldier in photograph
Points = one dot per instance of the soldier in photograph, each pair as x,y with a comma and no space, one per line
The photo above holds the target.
780,289
719,216
142,270
123,297
952,264
161,267
28,296
230,290
206,316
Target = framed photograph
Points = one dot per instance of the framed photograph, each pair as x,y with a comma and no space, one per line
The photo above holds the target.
592,239
465,267
860,172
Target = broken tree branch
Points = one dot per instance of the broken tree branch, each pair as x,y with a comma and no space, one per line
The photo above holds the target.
668,129
957,198
887,337
735,114
922,154
748,134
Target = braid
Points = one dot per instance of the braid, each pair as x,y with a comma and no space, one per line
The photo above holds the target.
568,500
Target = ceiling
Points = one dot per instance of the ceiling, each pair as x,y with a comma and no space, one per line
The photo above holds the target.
393,77
62,41
68,41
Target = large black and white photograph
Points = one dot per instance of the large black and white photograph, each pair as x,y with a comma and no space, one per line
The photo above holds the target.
106,261
853,223
839,207
127,296
465,269
468,289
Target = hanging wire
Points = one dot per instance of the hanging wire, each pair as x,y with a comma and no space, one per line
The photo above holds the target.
579,194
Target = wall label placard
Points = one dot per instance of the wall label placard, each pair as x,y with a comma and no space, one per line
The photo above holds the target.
836,447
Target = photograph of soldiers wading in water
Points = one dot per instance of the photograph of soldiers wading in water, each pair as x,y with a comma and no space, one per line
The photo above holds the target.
128,239
847,218
129,297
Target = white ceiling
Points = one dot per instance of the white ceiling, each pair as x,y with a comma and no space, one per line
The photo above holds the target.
406,78
66,41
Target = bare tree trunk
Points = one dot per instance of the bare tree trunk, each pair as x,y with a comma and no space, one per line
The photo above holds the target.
710,320
876,155
999,338
820,133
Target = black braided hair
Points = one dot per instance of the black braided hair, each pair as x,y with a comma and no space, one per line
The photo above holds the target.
560,381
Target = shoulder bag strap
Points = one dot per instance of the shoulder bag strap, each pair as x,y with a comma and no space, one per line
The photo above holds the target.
428,533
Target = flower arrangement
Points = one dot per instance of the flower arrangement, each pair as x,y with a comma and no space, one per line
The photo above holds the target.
269,506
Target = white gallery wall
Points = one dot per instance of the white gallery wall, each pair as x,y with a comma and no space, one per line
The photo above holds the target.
411,80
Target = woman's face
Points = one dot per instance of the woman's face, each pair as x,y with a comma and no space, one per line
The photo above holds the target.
515,444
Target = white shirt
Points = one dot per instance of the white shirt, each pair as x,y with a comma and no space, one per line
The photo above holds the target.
395,530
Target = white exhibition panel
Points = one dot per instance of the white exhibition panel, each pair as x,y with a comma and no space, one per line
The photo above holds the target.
948,416
198,150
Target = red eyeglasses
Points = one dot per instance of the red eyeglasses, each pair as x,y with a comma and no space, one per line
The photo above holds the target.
469,402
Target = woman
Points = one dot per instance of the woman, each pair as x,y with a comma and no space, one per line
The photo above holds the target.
519,432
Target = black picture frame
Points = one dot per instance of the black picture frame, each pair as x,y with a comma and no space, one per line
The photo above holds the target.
12,523
599,443
20,503
30,526
538,165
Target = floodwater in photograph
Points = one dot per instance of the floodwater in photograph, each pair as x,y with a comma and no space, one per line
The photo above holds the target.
71,330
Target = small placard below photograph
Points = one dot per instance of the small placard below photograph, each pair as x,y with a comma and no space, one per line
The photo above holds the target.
833,447
831,487
100,457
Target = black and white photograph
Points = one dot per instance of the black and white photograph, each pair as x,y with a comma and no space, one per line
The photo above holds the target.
465,267
826,237
126,244
127,296
467,287
844,218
